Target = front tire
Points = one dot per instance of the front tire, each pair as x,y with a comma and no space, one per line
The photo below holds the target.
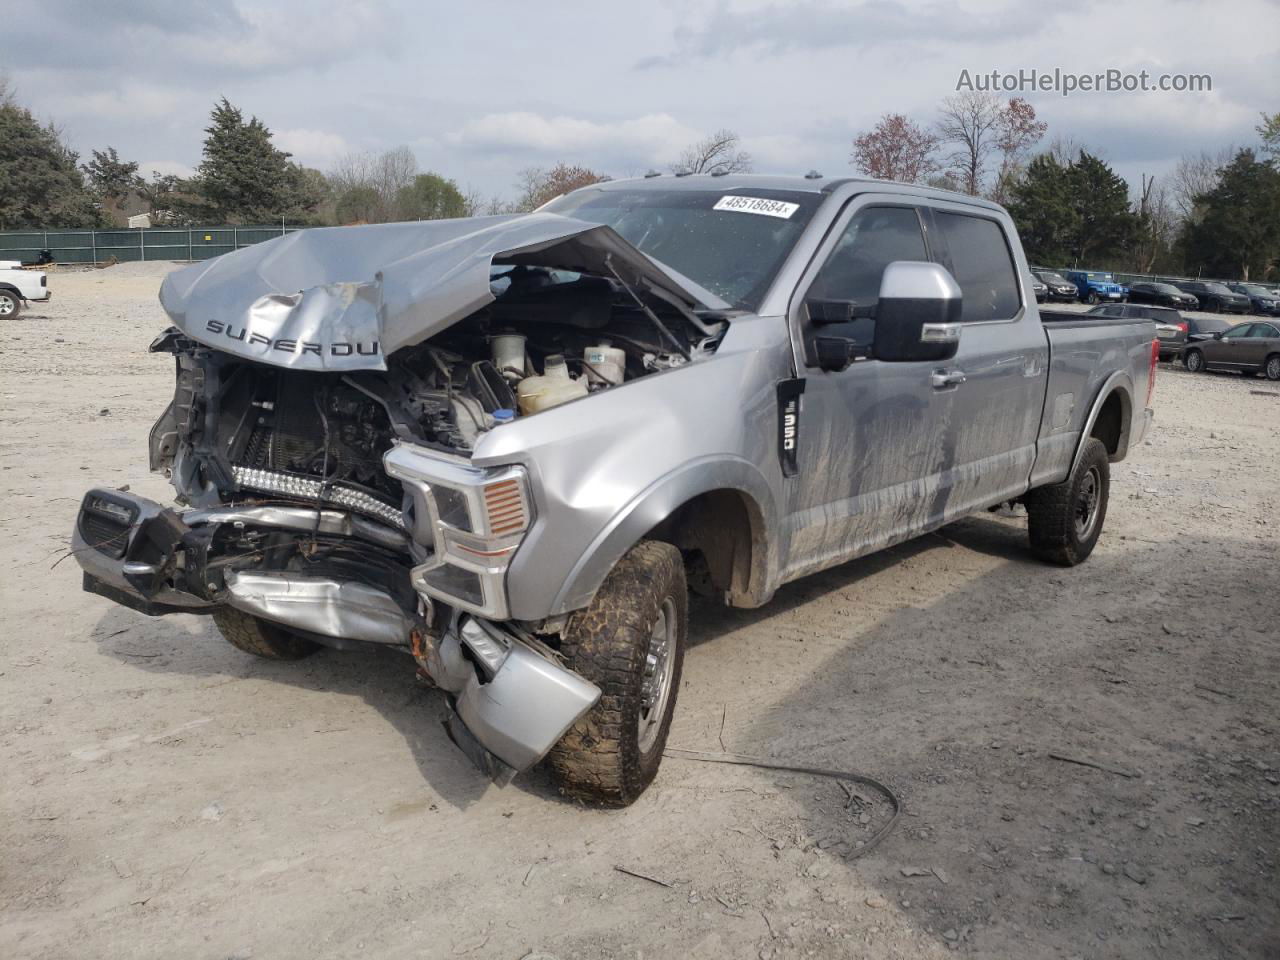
1064,520
1193,360
629,642
262,638
9,305
1091,298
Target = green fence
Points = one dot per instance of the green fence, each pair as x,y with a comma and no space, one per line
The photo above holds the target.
147,243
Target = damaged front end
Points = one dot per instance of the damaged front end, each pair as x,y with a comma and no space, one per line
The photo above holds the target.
321,434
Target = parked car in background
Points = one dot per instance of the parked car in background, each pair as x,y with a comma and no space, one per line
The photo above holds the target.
1214,296
1060,288
1262,299
1204,328
18,287
1094,286
1038,288
1162,295
1247,347
1171,328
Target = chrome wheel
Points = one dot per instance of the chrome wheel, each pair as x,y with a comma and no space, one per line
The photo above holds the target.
655,687
1194,362
8,306
1086,511
1273,368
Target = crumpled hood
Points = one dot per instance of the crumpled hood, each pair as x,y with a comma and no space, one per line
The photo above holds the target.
343,298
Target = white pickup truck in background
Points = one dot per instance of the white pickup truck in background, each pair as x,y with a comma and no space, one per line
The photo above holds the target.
18,286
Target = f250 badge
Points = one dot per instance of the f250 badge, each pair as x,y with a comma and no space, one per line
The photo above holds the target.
286,345
789,425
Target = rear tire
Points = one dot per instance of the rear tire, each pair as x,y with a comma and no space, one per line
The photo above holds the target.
629,642
1193,360
1064,520
10,305
262,638
1272,367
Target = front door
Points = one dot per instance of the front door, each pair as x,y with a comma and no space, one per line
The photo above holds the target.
870,456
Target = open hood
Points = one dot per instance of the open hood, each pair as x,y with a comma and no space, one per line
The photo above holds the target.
343,298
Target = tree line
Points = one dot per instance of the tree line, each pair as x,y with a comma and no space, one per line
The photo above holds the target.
1215,215
244,178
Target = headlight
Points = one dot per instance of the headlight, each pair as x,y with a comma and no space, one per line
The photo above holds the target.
473,519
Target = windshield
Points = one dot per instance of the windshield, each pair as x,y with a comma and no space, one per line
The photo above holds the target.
1216,288
721,240
1253,289
1164,288
1052,278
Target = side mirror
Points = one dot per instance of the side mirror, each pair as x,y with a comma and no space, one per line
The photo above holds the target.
918,315
1217,335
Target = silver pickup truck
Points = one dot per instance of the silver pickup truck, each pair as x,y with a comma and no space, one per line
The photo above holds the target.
510,446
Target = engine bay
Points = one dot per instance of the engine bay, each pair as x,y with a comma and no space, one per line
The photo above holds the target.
549,337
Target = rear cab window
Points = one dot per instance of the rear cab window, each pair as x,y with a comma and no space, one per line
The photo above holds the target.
977,253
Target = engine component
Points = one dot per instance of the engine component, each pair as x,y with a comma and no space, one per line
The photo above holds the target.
508,354
605,363
553,388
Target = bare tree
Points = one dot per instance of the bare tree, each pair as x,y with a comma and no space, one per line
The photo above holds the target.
719,153
538,186
370,182
1017,131
896,149
1158,224
1195,175
970,121
1064,150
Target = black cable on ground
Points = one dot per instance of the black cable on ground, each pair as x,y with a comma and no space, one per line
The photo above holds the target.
741,761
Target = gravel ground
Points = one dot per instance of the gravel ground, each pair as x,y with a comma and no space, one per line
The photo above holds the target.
165,795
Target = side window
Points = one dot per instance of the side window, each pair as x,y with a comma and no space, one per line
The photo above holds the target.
873,239
982,264
1239,330
1262,330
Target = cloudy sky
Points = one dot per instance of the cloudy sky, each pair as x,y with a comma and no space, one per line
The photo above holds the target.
483,88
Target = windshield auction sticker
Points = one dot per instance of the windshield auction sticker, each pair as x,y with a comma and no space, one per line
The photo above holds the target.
769,208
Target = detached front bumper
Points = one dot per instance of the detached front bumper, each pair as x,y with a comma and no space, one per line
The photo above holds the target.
512,698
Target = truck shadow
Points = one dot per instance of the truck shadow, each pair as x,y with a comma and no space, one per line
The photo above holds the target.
957,696
385,679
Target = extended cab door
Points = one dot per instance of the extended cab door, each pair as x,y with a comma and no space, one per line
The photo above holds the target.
1003,357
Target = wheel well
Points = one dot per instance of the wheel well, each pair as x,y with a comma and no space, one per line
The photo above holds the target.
1111,425
11,289
723,530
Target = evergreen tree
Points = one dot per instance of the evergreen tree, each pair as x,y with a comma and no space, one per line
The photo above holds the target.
1238,232
1074,213
110,177
40,184
244,178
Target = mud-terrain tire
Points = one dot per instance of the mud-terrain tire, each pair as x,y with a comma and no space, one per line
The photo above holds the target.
1271,367
261,638
612,753
1064,520
1193,360
10,305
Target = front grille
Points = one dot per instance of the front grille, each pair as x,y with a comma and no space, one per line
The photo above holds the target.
103,534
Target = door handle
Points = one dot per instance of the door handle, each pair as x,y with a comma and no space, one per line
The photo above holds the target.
947,378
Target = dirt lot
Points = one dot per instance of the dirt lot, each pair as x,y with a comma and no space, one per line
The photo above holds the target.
165,795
